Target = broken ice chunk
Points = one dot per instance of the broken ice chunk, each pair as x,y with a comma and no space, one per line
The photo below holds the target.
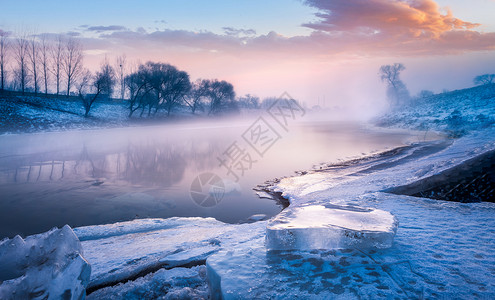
43,266
330,227
257,217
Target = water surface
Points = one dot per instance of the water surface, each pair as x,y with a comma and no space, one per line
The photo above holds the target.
103,176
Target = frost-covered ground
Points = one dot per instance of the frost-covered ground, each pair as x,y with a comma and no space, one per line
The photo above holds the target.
38,113
29,113
456,112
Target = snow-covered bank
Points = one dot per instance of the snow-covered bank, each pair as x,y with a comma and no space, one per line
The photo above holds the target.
456,112
21,114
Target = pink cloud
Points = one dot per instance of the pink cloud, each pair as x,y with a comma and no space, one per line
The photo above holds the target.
397,27
413,18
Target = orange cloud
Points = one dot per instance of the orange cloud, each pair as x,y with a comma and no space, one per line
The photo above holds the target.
414,18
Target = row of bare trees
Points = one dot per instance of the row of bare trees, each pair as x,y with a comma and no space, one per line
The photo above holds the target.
156,86
35,63
38,64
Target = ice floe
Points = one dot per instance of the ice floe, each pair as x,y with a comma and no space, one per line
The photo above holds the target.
43,266
330,227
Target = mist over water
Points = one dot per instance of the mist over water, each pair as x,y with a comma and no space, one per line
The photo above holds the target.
103,176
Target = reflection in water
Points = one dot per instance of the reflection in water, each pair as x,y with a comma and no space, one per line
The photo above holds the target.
150,165
104,176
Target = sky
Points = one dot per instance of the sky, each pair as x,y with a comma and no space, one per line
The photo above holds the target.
319,51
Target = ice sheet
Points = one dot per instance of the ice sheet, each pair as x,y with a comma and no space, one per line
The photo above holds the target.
120,251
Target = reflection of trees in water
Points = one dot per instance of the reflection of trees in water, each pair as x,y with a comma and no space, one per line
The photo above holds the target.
153,165
149,164
203,154
94,166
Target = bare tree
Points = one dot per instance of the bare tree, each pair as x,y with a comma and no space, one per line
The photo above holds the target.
83,89
139,89
249,102
33,55
169,86
397,92
120,66
45,50
175,87
199,91
4,46
57,55
72,61
221,94
21,50
484,79
92,87
107,77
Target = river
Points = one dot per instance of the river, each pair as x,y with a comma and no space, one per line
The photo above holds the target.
87,177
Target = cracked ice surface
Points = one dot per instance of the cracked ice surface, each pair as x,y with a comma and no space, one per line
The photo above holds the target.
176,283
120,251
330,227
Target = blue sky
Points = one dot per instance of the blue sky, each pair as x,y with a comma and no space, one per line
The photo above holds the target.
282,16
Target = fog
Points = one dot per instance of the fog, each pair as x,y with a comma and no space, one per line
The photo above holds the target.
101,176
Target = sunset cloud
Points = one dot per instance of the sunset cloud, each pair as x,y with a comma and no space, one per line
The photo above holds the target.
414,18
343,27
404,27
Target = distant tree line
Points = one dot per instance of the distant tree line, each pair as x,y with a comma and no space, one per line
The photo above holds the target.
41,64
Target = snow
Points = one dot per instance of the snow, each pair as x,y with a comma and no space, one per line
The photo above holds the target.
30,114
263,195
330,227
43,266
456,113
